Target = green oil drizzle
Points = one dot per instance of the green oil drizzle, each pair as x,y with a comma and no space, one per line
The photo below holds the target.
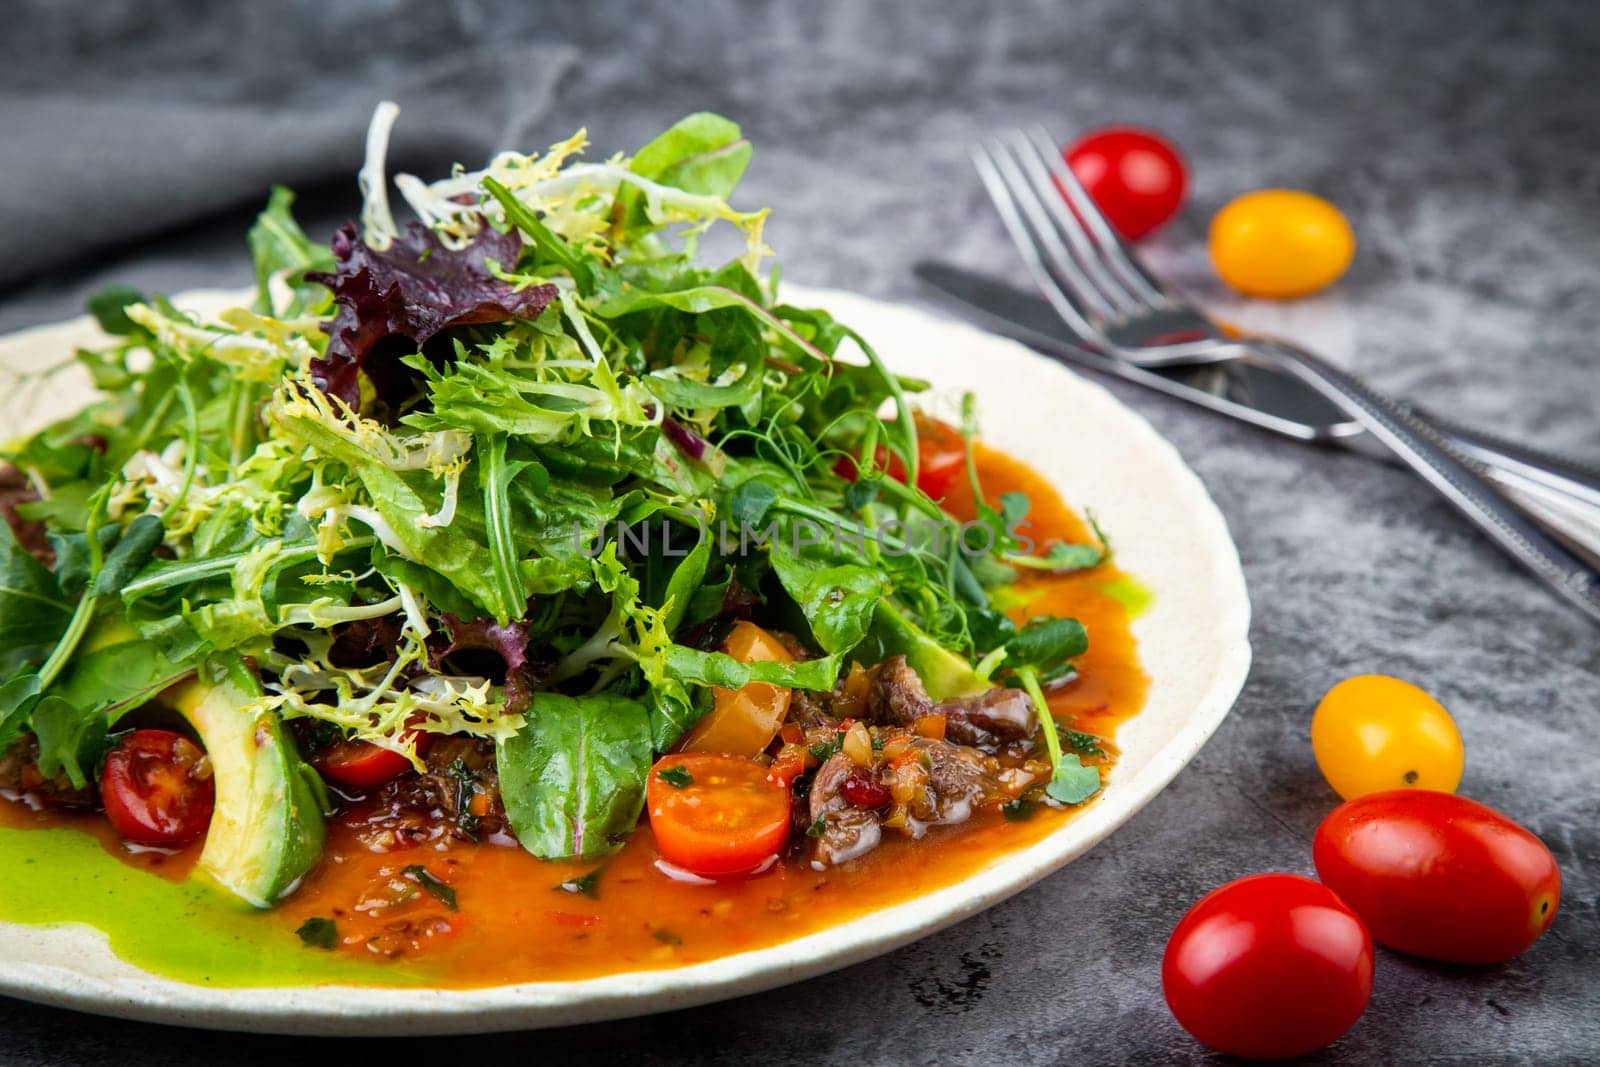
1127,591
184,930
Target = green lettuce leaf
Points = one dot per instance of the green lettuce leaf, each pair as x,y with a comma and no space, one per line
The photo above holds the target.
573,777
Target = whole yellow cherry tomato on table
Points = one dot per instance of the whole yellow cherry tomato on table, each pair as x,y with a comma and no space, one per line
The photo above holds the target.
1373,733
1280,243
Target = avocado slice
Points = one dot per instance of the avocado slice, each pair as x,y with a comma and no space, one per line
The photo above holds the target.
267,831
944,674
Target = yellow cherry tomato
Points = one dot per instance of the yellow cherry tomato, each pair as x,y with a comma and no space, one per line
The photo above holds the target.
1373,732
1280,243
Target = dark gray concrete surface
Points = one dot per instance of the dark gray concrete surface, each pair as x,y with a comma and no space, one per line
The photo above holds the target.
1464,142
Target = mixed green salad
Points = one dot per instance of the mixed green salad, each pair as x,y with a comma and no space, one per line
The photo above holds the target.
492,474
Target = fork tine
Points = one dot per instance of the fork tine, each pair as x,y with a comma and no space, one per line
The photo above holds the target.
1068,265
1065,305
1088,268
1114,251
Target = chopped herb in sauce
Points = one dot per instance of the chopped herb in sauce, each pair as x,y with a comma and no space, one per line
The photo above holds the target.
1082,743
822,750
1018,809
431,885
317,932
584,884
677,777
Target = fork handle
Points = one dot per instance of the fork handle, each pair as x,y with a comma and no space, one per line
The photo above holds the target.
1422,448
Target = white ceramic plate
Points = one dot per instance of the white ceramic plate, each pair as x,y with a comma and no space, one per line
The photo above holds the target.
1192,640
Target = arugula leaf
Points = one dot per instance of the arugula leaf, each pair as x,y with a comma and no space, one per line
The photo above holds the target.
687,393
548,243
129,556
280,247
694,667
573,777
33,611
495,480
686,578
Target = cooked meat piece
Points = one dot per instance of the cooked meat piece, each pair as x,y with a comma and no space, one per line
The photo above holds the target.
847,834
944,784
896,696
990,719
21,780
810,708
845,831
15,489
459,797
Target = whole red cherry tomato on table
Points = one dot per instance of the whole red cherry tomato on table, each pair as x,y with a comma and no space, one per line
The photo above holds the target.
157,788
1134,175
1267,967
1439,876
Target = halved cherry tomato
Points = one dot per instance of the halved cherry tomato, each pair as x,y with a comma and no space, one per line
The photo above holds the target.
941,458
1372,733
1134,175
1268,967
363,765
716,815
157,788
743,721
1439,876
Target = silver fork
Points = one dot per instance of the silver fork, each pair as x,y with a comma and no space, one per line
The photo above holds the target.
1113,303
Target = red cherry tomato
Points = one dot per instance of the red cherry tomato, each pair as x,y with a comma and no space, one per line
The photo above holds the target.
157,788
1438,875
363,765
1268,967
716,815
941,458
1136,176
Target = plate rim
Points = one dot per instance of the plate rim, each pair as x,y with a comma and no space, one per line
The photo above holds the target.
404,1011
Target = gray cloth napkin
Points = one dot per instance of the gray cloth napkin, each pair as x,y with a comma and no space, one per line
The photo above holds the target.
100,165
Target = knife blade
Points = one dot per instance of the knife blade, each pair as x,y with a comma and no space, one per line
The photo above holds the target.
1252,390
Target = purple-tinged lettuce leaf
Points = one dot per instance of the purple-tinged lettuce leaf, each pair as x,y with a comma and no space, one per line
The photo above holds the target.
510,643
410,291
